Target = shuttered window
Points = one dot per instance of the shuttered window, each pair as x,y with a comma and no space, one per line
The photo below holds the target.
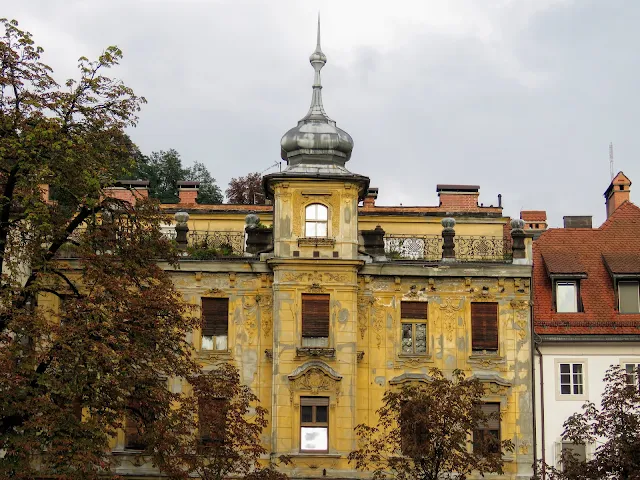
215,323
414,327
212,416
315,318
132,435
484,326
486,438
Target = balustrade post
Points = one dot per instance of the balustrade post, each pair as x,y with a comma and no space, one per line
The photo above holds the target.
374,241
182,229
448,245
517,236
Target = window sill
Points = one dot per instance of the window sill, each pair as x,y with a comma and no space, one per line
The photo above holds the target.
316,242
215,354
315,455
413,360
316,352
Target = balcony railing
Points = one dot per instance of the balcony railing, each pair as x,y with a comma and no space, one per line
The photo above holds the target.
227,244
468,248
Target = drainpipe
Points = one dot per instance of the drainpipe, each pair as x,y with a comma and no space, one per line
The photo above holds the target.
542,435
533,395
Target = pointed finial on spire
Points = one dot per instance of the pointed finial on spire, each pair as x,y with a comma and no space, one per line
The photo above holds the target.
318,59
318,49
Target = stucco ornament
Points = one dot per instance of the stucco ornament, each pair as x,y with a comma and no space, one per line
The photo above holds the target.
520,313
266,313
450,308
377,321
314,377
300,202
364,309
250,311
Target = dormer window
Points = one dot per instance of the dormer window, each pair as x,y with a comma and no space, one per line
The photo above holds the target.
567,300
316,217
628,296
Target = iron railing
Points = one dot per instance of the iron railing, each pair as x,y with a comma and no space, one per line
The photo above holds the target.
468,248
413,247
225,243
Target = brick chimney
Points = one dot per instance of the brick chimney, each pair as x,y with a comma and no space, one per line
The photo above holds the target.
188,192
129,190
458,197
617,193
534,219
370,199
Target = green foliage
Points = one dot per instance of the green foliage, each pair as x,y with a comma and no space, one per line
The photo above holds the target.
423,432
66,386
164,170
615,427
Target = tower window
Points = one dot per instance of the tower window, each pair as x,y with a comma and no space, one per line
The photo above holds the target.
316,216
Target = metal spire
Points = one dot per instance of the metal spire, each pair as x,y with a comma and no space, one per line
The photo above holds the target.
318,60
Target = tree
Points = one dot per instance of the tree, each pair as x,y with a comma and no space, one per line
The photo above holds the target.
615,427
87,345
246,190
423,432
209,192
164,170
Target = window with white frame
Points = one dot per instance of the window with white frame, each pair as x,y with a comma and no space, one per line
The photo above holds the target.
567,296
628,296
571,379
316,220
574,450
314,424
631,370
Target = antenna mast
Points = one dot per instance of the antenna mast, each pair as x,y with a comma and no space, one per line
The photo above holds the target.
611,159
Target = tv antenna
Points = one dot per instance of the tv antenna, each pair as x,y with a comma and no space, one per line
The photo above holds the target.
611,159
275,164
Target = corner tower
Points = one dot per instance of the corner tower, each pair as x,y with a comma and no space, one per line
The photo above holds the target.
316,197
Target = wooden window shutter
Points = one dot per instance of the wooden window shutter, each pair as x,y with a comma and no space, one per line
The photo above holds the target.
215,316
413,310
484,326
133,439
315,315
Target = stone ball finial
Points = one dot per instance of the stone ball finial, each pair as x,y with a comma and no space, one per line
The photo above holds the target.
251,221
517,224
181,218
448,222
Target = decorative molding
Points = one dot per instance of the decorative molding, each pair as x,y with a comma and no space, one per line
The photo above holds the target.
450,307
314,376
301,200
250,314
212,357
268,353
316,352
493,383
364,311
412,361
521,316
315,288
378,311
410,377
266,313
488,361
314,277
360,355
316,242
215,292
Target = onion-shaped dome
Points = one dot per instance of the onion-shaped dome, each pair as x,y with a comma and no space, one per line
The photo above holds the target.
316,140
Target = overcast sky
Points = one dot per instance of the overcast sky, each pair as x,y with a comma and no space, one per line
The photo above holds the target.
521,97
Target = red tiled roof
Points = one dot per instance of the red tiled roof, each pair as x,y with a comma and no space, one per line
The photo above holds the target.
620,234
622,262
559,262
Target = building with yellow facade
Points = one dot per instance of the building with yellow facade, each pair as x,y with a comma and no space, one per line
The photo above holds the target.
343,299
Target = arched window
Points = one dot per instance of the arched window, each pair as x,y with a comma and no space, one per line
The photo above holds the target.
316,216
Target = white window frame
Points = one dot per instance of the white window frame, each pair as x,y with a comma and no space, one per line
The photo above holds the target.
637,288
313,218
557,375
576,303
626,362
